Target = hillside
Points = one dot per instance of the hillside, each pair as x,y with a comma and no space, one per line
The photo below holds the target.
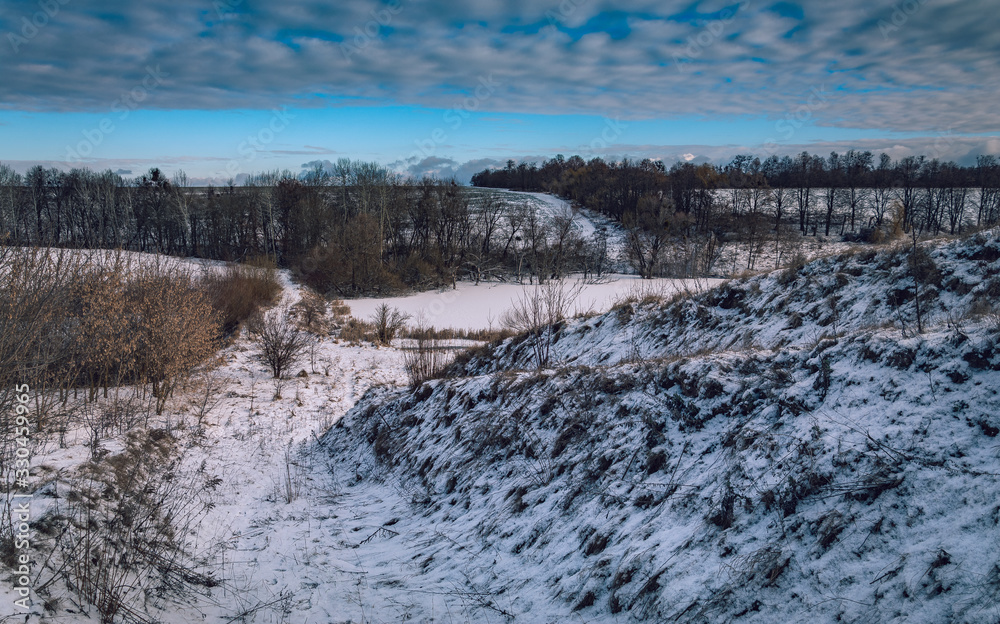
781,448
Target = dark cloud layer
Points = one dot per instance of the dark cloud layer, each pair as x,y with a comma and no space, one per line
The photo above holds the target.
915,65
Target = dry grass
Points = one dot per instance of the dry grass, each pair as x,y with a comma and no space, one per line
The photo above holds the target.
479,335
427,360
355,331
126,525
339,309
240,291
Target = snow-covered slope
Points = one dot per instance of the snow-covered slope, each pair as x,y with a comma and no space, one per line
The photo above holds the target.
857,291
780,449
586,222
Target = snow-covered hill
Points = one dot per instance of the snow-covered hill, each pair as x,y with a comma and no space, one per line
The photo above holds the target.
850,294
779,449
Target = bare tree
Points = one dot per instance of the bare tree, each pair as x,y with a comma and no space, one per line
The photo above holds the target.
279,341
561,226
647,233
882,191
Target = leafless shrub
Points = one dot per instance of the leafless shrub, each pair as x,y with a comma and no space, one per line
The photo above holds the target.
35,370
212,390
35,285
174,326
388,322
280,342
427,359
97,320
310,312
537,313
131,322
122,411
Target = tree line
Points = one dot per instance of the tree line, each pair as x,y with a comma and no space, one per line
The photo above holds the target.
841,194
351,229
356,228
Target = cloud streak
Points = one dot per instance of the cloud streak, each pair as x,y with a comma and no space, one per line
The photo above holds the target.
618,58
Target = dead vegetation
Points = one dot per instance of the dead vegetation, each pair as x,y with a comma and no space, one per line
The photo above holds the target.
100,342
426,359
538,314
241,290
123,542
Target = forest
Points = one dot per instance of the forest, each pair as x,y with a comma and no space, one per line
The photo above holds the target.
358,228
676,219
844,193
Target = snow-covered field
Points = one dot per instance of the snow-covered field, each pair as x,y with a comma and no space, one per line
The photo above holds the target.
482,306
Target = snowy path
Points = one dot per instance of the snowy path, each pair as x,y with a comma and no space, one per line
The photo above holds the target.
587,222
283,531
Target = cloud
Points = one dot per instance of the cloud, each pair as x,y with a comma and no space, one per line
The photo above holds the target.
309,150
443,168
892,67
322,164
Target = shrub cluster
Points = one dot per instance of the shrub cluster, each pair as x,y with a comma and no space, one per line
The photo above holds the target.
241,290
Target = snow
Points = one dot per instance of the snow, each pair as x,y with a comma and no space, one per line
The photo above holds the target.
858,458
550,207
862,482
852,452
263,548
482,306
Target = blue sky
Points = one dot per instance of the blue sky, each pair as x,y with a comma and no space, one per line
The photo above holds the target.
221,88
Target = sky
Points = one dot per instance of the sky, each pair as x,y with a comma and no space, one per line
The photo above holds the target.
222,88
